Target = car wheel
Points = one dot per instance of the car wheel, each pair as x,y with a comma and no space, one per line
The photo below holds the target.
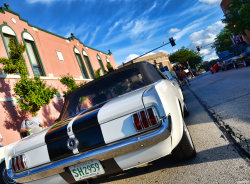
4,178
185,109
185,149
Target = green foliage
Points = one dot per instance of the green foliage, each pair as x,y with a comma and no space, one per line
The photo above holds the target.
70,83
237,18
183,55
32,94
98,73
223,41
109,67
15,63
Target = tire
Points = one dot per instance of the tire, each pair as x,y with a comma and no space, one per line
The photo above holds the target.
4,178
185,149
185,110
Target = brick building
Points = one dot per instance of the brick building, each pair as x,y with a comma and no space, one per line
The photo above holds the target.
159,59
47,55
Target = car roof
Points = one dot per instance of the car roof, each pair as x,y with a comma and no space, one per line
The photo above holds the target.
147,70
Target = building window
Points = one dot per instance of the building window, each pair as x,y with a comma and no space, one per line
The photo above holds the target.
34,58
59,55
101,63
87,61
7,38
7,34
81,64
107,60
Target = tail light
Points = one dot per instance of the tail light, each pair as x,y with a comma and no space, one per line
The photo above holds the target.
151,116
18,163
137,122
145,119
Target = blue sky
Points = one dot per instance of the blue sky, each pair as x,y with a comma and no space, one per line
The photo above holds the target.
128,27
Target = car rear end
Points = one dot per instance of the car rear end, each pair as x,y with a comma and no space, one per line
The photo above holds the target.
115,135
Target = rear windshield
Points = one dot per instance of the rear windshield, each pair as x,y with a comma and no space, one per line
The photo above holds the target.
101,91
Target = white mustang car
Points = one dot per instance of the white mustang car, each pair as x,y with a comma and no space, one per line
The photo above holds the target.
126,118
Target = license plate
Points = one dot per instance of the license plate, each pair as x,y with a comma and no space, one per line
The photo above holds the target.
86,169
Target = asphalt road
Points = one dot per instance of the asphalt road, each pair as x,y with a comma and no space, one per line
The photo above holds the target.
227,96
217,160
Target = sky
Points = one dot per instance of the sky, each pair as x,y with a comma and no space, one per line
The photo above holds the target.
128,28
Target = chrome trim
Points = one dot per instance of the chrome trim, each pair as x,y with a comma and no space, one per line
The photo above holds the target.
19,162
147,116
109,151
75,145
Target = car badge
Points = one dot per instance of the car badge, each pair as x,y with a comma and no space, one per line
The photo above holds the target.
72,143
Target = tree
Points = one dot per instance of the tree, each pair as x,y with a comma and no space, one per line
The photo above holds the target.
31,93
98,73
183,55
15,63
109,67
237,19
223,41
70,83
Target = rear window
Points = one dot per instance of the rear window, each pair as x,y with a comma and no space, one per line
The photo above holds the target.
101,91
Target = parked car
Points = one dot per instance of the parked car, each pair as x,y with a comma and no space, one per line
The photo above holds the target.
243,59
123,119
167,73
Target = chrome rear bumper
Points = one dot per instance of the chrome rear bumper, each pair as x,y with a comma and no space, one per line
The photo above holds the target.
110,151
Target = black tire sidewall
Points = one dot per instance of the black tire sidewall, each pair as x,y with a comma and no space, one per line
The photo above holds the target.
185,149
2,167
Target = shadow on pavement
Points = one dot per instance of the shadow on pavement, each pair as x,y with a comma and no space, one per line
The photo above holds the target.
219,153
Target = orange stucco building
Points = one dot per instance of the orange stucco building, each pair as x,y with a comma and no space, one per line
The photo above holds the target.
49,56
224,4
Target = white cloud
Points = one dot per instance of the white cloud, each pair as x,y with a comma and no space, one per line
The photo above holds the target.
150,9
111,29
130,57
84,37
94,35
206,36
211,56
128,25
46,1
210,1
166,3
173,30
203,38
185,31
204,51
77,31
138,27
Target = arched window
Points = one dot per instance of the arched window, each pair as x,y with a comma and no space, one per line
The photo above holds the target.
87,61
107,59
81,64
101,63
33,54
7,33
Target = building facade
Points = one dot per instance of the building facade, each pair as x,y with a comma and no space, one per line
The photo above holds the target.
224,4
159,59
47,55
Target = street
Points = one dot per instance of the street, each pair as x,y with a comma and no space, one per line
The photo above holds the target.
219,112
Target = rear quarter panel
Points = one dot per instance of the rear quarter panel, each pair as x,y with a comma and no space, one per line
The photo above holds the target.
166,98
